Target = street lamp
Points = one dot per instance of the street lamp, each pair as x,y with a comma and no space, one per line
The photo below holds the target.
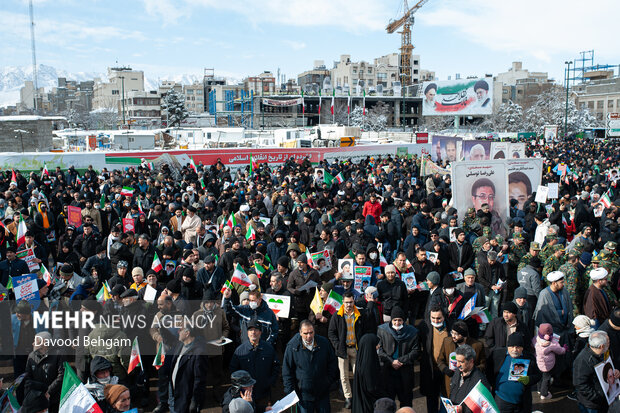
567,63
123,96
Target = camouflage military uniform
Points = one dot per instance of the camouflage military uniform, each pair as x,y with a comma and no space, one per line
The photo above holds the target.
579,247
468,221
552,263
546,251
478,243
527,257
516,253
609,261
574,285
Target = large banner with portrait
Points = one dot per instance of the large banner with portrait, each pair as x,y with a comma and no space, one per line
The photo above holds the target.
482,185
507,150
476,150
446,148
524,176
458,97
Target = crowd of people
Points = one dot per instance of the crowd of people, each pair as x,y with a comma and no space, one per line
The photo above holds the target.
207,243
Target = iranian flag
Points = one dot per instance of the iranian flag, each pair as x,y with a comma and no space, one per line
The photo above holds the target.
328,178
74,397
250,233
349,103
140,206
21,231
127,191
605,200
231,222
339,178
13,178
159,357
240,277
303,106
202,183
151,166
480,400
382,261
192,164
156,265
481,315
45,274
333,97
469,307
333,302
135,360
253,165
45,171
260,270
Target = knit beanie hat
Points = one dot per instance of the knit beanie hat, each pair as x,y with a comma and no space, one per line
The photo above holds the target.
112,392
545,331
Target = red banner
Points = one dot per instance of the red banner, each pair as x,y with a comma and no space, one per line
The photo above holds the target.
74,216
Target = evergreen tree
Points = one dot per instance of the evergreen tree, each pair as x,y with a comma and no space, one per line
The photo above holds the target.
174,105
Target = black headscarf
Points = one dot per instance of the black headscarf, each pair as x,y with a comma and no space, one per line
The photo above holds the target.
367,386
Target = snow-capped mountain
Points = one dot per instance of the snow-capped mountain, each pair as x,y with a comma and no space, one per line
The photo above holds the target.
12,79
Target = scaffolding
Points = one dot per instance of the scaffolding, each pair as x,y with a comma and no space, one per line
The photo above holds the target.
584,64
242,116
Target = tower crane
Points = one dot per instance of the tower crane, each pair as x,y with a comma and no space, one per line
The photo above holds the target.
406,21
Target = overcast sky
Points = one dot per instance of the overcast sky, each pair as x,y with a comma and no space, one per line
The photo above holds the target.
245,37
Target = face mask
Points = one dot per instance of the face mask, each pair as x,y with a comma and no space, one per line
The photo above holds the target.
373,255
104,380
397,327
253,305
449,291
437,325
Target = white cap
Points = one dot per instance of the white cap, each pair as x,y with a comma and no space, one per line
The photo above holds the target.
189,188
598,274
555,276
244,208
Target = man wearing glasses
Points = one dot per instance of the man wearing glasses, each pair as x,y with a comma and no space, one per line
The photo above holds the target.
483,198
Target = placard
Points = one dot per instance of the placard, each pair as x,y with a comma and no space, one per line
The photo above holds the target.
410,281
28,256
128,224
553,190
518,369
74,216
362,273
432,256
541,194
610,385
322,261
279,304
26,288
345,267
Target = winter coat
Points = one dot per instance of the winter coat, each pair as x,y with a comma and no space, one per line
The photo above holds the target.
488,274
595,305
494,365
13,268
144,258
496,334
191,377
404,343
216,326
337,332
545,356
86,246
263,314
44,373
467,256
392,295
262,364
448,346
529,279
458,391
302,299
118,356
311,373
589,391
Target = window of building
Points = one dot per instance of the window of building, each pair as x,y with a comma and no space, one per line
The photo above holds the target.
189,92
134,78
114,92
354,71
415,71
591,104
600,104
370,71
610,104
415,63
505,91
599,116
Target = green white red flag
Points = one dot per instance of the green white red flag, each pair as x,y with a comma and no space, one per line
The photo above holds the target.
605,200
127,191
13,178
240,277
333,302
74,396
159,357
480,400
250,233
45,171
339,178
21,231
192,164
135,360
231,222
156,266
